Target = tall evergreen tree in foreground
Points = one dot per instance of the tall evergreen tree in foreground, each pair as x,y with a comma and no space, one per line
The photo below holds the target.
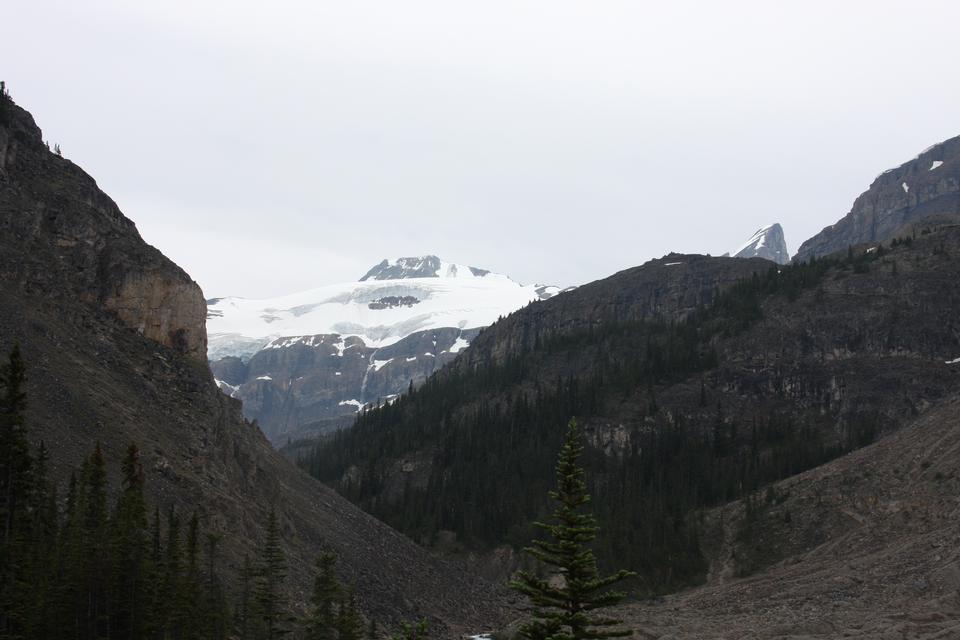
15,494
568,610
268,594
322,622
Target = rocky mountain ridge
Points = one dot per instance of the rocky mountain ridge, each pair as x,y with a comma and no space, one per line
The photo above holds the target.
767,242
114,352
95,254
305,386
806,362
927,187
308,362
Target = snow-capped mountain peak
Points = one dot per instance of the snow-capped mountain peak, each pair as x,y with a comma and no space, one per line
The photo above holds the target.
422,267
767,242
392,301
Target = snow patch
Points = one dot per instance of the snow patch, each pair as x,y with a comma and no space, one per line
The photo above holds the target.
411,359
936,164
906,187
227,388
954,361
264,378
459,345
352,403
672,264
380,364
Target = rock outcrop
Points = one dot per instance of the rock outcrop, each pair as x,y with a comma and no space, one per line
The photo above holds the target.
925,188
66,238
767,242
669,287
301,387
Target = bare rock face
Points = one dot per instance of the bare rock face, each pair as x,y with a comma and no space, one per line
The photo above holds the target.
926,187
669,287
767,242
64,236
164,309
303,386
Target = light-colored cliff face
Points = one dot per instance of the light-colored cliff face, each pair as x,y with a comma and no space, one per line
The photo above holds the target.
65,237
926,187
164,309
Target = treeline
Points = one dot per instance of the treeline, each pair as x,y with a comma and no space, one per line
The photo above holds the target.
79,565
89,567
489,435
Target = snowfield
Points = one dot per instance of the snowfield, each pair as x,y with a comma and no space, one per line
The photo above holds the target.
455,297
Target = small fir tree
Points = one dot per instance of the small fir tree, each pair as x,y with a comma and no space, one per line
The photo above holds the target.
568,611
269,595
349,623
321,624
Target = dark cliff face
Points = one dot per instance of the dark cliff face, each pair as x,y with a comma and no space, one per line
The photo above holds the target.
112,335
64,237
927,187
302,387
670,287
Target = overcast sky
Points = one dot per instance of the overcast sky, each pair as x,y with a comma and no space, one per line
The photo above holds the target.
269,147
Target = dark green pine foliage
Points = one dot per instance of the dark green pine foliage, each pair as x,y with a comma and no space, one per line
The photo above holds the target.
15,490
567,608
492,436
246,618
349,622
269,595
216,613
321,624
412,631
95,546
169,605
132,570
94,572
42,551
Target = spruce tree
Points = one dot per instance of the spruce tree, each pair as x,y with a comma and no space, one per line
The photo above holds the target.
349,623
568,611
42,551
94,559
15,493
131,553
246,609
215,611
321,624
269,595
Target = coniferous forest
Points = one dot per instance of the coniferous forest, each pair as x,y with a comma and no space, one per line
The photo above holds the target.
493,429
78,563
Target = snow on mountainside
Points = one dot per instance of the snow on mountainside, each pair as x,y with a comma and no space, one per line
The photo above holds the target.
307,362
767,242
393,300
422,267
